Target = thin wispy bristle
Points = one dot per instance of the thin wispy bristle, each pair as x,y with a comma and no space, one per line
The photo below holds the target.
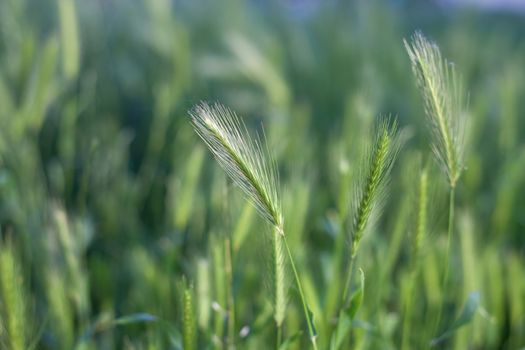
242,156
370,190
444,103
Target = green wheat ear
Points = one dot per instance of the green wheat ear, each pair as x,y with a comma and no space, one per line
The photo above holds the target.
442,92
370,190
242,156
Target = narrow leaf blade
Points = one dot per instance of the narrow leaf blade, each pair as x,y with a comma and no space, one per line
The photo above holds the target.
357,297
467,314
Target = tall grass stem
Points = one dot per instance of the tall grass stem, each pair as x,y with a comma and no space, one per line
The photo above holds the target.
447,256
279,274
419,234
309,321
451,205
348,283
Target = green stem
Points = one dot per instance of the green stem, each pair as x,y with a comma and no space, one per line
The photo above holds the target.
231,300
349,279
447,258
279,337
449,237
348,284
309,320
338,264
279,283
408,313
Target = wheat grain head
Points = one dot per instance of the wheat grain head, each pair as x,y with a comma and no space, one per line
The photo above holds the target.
442,92
243,156
369,193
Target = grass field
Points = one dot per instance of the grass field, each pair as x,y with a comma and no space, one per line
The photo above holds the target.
362,188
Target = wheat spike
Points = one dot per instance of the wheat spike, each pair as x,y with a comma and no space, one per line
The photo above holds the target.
442,92
370,190
242,156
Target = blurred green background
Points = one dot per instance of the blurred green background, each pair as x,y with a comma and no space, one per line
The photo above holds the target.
110,206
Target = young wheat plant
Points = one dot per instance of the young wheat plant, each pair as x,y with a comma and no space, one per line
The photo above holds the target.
370,190
249,164
442,93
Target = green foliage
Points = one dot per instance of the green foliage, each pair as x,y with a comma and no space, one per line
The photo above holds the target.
347,316
357,296
108,198
468,312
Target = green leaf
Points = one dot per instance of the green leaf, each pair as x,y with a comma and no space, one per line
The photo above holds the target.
343,327
314,330
346,316
467,314
104,324
357,297
134,318
290,340
366,326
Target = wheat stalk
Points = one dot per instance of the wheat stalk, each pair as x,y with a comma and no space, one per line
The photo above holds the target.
418,236
279,273
251,168
370,190
443,95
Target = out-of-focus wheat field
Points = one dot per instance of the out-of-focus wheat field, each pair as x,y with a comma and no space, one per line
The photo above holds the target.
120,231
